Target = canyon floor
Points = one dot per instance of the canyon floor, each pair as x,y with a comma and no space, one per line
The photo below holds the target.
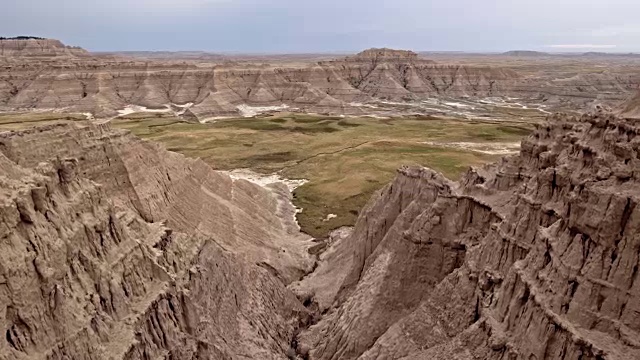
344,159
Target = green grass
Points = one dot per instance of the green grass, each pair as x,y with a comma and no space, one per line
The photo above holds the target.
348,124
342,183
345,159
17,121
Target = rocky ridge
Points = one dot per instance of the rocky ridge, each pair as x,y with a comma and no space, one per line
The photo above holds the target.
534,257
103,86
119,249
115,248
387,55
38,47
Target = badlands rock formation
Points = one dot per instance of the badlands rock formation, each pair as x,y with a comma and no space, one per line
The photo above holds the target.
535,257
37,47
631,108
385,54
112,248
104,85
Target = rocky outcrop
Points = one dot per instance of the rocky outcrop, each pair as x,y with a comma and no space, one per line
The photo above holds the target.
385,54
534,257
103,86
38,47
110,249
163,186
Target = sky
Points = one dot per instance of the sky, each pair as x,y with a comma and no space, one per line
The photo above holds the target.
299,26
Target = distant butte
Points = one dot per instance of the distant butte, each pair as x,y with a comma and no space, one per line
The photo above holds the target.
37,74
387,54
31,46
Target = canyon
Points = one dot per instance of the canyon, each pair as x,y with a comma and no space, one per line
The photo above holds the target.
113,247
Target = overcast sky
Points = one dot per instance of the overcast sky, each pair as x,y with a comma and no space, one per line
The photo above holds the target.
286,26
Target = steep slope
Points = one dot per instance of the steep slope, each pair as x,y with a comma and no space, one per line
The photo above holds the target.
402,75
111,247
167,187
631,108
83,278
534,257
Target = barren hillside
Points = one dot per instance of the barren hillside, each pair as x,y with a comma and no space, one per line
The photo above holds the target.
120,249
115,248
37,47
105,85
631,107
534,257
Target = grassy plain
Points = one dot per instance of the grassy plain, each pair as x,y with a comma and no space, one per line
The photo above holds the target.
345,159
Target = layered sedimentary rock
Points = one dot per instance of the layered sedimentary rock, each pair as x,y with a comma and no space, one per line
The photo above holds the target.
534,257
103,86
401,75
385,54
163,186
38,47
113,248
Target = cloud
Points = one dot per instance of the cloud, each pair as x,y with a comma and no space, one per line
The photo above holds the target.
582,46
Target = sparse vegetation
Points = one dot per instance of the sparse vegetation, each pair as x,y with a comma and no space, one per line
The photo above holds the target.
345,159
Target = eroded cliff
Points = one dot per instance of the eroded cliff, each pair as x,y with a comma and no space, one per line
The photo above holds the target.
112,247
103,85
115,248
535,257
37,47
